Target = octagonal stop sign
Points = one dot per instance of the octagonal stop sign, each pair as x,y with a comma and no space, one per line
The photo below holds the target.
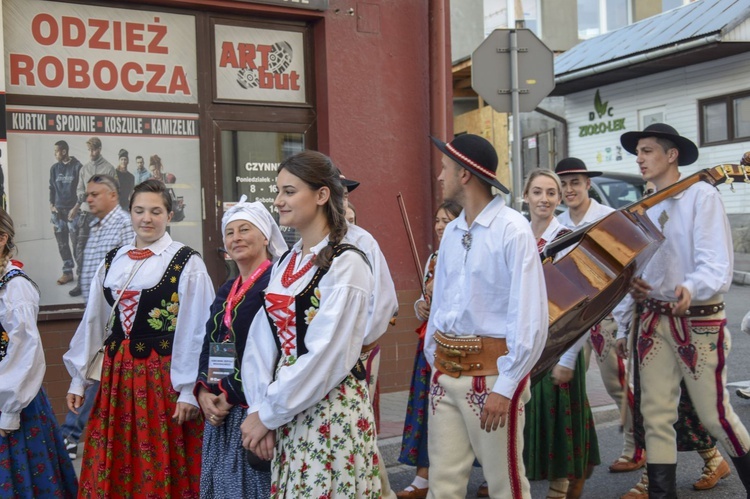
491,74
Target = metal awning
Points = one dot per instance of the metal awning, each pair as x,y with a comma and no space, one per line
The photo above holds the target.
700,31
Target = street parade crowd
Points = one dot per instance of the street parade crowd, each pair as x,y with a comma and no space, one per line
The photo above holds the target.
268,387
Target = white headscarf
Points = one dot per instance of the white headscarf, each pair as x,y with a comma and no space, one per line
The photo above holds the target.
258,215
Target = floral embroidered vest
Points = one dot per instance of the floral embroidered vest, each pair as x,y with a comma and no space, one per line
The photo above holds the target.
4,339
156,317
306,304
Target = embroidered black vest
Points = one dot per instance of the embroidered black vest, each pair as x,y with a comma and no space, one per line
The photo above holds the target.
156,316
303,301
4,339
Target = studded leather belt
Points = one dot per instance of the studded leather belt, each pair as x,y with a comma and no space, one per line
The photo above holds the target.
468,355
665,307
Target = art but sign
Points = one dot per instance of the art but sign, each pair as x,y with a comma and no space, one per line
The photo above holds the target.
254,64
601,119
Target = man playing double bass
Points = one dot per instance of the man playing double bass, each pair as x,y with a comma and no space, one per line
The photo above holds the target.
682,332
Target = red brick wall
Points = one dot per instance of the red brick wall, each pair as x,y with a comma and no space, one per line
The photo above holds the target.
399,345
56,335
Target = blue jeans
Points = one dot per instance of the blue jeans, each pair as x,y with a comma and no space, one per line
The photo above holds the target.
74,424
66,234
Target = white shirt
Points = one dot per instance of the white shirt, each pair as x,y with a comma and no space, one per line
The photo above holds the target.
334,339
697,252
595,212
23,367
196,294
383,302
494,289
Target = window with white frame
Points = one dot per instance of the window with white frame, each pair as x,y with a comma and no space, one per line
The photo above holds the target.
596,17
651,115
724,119
673,4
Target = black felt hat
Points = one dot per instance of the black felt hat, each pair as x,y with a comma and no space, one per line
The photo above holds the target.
474,153
569,166
349,184
688,150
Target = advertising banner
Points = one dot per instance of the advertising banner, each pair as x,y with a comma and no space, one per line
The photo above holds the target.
143,144
255,64
68,50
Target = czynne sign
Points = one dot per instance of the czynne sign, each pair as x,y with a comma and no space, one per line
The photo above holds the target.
300,4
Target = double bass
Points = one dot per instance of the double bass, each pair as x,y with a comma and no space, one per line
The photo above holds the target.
585,285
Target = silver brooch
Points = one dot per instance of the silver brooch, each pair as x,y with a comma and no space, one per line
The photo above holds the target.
466,241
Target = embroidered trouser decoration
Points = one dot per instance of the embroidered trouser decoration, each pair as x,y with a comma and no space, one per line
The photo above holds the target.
437,392
477,395
456,437
671,349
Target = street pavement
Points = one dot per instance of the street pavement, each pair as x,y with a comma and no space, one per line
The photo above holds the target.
604,484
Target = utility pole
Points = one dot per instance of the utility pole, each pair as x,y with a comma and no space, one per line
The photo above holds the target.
516,162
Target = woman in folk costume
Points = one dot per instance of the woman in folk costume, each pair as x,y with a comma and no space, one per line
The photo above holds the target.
252,240
33,459
560,439
305,386
414,440
148,306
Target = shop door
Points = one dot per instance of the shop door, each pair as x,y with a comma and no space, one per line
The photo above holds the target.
247,157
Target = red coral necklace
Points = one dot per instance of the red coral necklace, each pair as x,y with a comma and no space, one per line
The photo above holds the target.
287,279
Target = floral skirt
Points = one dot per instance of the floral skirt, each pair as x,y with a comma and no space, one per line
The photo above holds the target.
33,460
559,436
330,449
225,471
133,447
414,440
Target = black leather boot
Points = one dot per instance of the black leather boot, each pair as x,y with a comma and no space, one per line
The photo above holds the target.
742,464
662,481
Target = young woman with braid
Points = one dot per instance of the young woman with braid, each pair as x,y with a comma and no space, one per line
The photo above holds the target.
559,435
33,459
305,386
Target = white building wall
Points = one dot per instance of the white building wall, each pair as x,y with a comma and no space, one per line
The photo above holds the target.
677,92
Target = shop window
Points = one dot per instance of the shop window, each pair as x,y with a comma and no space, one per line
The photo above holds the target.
250,160
724,119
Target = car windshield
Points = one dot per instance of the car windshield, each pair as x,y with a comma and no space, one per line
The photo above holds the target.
619,192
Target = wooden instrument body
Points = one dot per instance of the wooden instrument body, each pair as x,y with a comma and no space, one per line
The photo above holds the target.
584,286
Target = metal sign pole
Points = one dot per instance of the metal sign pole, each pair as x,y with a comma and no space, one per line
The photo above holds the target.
517,171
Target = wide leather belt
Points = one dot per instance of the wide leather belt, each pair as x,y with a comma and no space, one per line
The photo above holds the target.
468,355
665,307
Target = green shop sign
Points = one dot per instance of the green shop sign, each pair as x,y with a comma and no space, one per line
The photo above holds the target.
602,111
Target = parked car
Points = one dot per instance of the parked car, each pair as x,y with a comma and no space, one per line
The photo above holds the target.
617,189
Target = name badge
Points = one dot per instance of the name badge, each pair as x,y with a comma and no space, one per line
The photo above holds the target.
221,357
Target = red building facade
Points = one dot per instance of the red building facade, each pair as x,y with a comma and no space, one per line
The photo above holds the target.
221,91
